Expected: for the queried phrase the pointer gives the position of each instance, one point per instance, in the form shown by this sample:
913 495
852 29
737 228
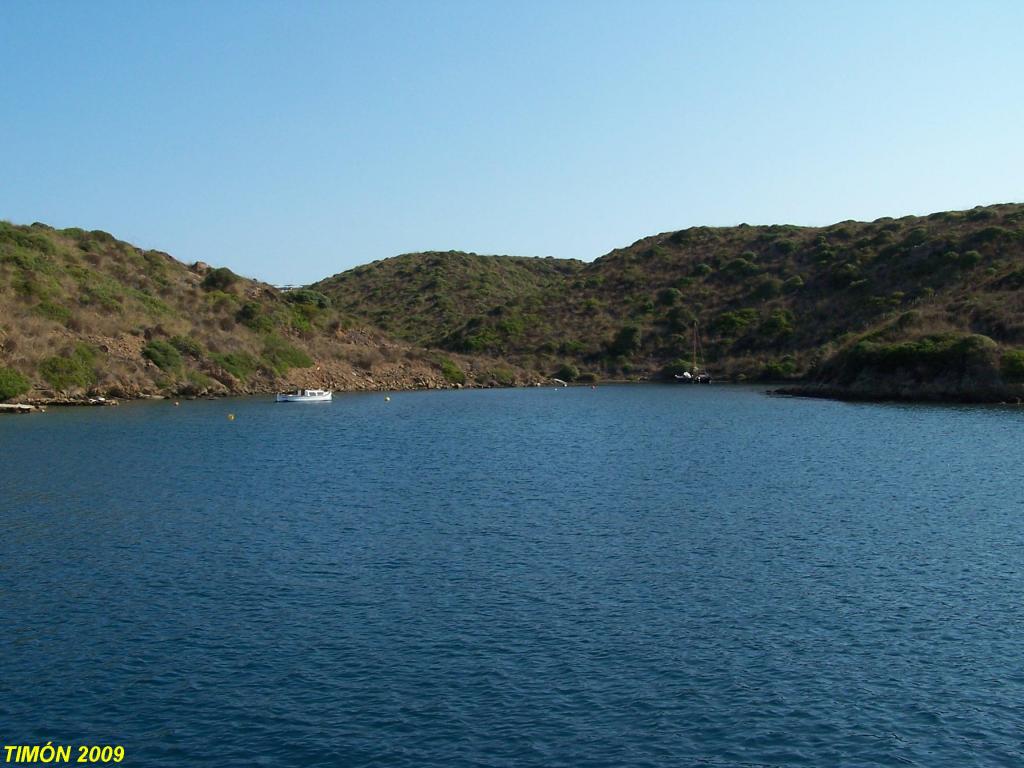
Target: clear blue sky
292 140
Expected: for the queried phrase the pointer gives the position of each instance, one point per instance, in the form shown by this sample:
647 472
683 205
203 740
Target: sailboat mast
695 368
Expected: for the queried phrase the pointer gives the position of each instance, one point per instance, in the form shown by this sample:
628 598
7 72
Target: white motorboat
305 396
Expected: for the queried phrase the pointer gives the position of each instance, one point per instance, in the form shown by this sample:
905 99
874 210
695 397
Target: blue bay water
626 576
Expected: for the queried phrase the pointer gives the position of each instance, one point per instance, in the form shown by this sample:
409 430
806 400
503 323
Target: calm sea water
627 576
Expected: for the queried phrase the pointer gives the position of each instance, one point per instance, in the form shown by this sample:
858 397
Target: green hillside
917 307
770 302
424 297
82 313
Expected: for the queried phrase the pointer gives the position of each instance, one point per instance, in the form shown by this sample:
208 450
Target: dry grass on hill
84 313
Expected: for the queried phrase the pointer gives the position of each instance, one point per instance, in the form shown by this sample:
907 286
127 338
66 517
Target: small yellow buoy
231 417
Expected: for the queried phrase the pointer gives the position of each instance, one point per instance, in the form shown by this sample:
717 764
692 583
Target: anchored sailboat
699 374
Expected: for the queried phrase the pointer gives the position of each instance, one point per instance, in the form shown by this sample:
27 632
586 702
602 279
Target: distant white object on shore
559 381
305 396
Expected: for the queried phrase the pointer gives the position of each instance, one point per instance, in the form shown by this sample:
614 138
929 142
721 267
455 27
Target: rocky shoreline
898 392
400 379
17 408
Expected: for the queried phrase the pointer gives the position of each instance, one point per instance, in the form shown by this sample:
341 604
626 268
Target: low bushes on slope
12 383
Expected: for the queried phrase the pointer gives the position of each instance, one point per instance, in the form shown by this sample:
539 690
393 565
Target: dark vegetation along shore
912 308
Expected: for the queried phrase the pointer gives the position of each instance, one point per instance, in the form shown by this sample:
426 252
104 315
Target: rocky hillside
913 307
824 305
82 313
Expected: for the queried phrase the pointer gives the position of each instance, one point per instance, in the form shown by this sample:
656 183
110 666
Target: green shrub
780 369
187 346
265 324
221 301
653 253
302 318
27 239
241 365
307 296
779 323
56 312
916 236
506 377
767 288
643 307
30 285
200 381
64 372
567 372
251 315
844 275
104 238
963 261
163 354
96 288
475 336
669 296
219 279
729 323
26 259
151 305
740 267
154 264
451 372
12 383
280 356
990 235
793 283
626 341
511 327
969 260
678 318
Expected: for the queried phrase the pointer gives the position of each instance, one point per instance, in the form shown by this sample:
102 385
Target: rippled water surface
627 576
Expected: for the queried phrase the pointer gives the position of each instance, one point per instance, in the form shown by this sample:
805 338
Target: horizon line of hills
916 307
